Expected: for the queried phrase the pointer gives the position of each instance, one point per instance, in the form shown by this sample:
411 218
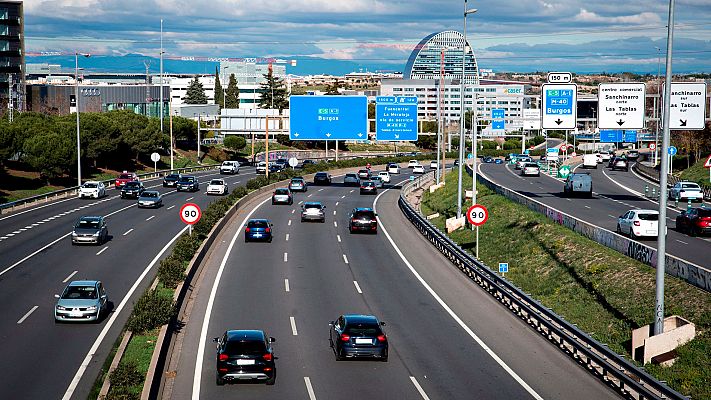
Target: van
590 161
229 167
578 183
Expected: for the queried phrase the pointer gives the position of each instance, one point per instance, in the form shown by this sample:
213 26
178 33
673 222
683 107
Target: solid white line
210 302
339 238
150 218
285 256
357 287
127 232
446 307
286 285
293 326
189 198
102 250
419 388
287 237
345 259
69 277
309 388
90 354
170 207
335 224
289 223
21 320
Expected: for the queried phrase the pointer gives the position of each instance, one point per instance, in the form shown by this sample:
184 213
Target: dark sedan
322 178
171 180
258 230
188 183
368 187
245 355
353 335
132 190
363 220
696 221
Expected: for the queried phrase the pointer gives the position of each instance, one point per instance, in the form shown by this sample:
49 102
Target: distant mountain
133 63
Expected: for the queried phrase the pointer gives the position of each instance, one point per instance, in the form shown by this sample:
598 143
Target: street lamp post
161 76
658 106
461 110
76 102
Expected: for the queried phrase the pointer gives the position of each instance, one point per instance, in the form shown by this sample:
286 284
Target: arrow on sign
397 136
328 135
620 122
558 121
360 135
296 135
683 122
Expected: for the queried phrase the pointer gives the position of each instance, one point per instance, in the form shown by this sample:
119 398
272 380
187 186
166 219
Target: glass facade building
426 59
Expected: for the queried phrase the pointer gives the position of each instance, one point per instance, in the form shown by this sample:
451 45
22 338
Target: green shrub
171 272
185 247
151 311
123 377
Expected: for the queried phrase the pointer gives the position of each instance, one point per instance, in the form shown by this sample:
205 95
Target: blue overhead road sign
629 136
610 135
396 118
328 118
497 118
560 106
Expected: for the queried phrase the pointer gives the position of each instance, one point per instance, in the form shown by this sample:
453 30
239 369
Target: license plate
257 234
245 362
363 341
74 314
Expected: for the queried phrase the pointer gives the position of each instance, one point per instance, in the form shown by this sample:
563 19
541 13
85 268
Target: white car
685 191
92 189
262 167
393 169
606 155
418 169
521 161
412 163
217 186
639 223
229 167
590 161
530 169
433 164
385 176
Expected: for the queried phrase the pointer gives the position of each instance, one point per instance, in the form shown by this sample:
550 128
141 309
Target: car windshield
132 185
363 215
227 163
172 176
376 178
80 292
258 224
91 185
350 175
281 191
150 194
88 223
312 205
251 348
704 212
297 181
689 186
321 174
217 182
125 176
648 217
187 179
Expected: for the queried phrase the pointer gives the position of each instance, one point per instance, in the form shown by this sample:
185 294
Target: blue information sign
629 136
328 118
503 268
497 118
396 118
671 150
560 108
610 135
498 113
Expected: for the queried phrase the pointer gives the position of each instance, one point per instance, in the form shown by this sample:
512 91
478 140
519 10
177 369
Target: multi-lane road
41 359
614 193
448 339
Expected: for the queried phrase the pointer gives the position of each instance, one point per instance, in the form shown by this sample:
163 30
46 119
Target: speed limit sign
190 213
652 146
477 215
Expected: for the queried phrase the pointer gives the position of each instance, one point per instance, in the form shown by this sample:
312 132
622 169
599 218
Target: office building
12 54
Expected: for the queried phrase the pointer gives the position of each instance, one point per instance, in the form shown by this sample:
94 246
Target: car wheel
246 239
693 231
270 239
632 235
272 380
219 380
273 203
339 357
618 229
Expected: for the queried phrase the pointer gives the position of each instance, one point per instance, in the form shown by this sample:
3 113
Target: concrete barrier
688 271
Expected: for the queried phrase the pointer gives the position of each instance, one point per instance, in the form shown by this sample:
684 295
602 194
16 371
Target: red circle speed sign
190 213
477 215
652 146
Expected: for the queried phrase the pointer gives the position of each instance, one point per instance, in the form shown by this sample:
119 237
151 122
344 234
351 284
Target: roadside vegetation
600 290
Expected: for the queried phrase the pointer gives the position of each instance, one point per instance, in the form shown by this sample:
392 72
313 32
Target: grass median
600 290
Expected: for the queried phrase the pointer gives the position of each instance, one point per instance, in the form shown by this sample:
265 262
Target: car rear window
251 348
351 176
125 176
312 205
689 186
257 224
321 174
91 185
80 292
132 184
364 214
367 330
216 182
704 212
173 176
187 179
281 191
531 165
648 217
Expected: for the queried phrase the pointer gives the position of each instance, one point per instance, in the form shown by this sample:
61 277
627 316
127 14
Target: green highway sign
563 171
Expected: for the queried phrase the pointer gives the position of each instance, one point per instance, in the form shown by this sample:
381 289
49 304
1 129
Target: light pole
658 106
461 110
76 102
661 234
161 76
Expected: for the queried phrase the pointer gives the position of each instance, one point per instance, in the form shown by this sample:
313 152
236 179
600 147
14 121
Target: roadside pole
198 141
266 147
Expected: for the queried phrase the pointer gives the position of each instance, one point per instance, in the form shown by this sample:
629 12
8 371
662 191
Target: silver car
90 229
378 181
313 211
81 301
150 199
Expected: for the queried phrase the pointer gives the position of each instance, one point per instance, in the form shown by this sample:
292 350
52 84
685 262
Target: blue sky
507 35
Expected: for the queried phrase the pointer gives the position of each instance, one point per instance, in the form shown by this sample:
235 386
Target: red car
695 221
124 178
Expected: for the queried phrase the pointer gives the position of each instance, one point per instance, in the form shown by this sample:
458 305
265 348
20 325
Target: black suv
322 178
245 355
363 219
355 335
132 190
171 180
189 183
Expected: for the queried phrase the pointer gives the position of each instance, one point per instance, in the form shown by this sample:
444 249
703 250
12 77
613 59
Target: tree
235 142
219 96
184 128
232 95
195 93
50 153
274 93
332 89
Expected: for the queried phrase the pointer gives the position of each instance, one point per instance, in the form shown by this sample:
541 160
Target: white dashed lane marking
286 285
339 238
102 250
287 237
345 259
170 207
335 224
69 277
293 326
150 218
24 317
127 232
355 283
286 257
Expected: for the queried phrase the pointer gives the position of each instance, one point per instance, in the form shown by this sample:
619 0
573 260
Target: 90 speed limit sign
477 215
190 213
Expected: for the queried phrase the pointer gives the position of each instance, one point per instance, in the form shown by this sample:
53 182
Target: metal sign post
477 216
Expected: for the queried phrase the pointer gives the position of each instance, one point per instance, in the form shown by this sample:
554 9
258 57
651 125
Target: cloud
636 19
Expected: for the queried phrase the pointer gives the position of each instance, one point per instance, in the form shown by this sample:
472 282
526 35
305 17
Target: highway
611 198
41 358
448 339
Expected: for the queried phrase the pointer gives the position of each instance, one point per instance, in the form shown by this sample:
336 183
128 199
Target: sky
582 36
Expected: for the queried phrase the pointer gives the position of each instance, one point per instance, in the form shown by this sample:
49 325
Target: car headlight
95 234
91 308
74 234
61 308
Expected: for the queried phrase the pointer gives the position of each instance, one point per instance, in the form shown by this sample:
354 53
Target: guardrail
653 175
596 357
46 197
